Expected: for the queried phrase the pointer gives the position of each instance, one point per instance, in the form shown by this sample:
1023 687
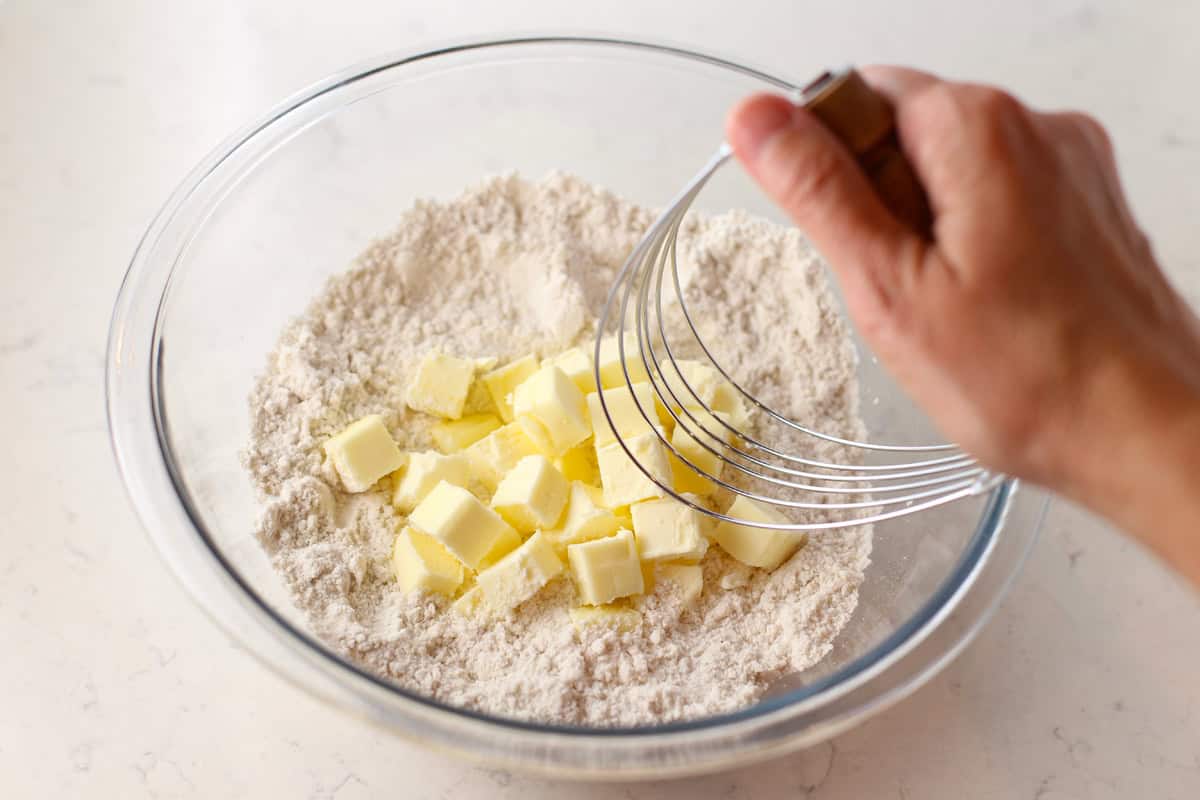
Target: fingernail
755 122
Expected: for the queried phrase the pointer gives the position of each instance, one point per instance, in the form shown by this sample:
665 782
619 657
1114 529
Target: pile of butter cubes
530 438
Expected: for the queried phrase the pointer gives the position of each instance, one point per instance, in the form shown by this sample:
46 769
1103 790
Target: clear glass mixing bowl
252 234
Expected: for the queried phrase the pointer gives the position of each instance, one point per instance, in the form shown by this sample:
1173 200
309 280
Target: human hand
1034 326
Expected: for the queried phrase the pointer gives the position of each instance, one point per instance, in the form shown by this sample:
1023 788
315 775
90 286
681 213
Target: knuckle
878 327
982 119
888 324
966 103
894 281
994 104
1091 128
936 103
1086 122
999 122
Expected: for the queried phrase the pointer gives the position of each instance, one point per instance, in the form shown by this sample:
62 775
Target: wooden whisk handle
863 120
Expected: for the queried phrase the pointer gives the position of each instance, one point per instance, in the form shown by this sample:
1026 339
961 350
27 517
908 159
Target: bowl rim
135 352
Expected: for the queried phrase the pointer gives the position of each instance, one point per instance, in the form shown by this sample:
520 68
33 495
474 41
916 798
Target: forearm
1140 467
1160 504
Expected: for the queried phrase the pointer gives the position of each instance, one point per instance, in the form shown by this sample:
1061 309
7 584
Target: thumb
815 179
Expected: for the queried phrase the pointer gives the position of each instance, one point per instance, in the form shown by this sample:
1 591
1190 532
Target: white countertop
113 684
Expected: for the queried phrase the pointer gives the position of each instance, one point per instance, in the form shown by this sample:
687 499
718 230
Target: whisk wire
864 492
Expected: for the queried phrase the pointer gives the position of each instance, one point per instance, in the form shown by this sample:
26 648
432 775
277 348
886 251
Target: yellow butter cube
425 471
621 479
479 399
441 384
465 526
611 374
579 464
701 378
519 575
452 436
757 547
616 617
667 529
576 364
605 569
507 542
728 401
498 452
363 453
624 405
688 577
531 495
595 493
686 477
626 519
709 388
502 382
585 519
470 603
552 411
647 576
422 564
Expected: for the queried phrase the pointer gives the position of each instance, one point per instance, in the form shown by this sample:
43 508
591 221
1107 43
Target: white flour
508 268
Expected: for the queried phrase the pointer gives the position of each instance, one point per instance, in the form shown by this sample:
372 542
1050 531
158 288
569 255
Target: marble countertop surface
114 684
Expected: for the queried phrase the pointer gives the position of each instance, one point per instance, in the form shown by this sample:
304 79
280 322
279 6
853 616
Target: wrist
1137 461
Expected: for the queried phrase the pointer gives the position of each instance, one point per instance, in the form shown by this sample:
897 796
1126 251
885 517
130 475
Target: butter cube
757 547
576 364
687 479
502 382
441 385
709 388
585 519
519 575
647 576
623 482
702 378
425 471
667 529
625 404
688 577
422 564
479 399
728 401
625 517
498 452
470 603
465 526
532 495
552 411
605 569
363 453
579 464
611 374
595 493
616 617
451 436
509 540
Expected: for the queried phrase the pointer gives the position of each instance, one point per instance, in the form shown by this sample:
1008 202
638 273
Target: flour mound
508 268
